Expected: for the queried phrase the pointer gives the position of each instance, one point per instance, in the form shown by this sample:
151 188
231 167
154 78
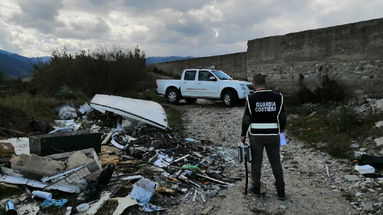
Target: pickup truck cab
204 83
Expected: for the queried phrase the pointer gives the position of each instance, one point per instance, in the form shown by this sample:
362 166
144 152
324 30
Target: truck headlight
244 87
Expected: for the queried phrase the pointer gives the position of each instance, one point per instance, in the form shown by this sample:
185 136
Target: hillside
17 66
152 60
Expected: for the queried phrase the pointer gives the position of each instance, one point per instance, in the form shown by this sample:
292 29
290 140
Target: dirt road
309 189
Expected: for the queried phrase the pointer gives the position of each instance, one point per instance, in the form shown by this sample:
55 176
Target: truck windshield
221 75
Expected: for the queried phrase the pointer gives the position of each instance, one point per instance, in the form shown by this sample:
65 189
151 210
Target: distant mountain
17 66
152 60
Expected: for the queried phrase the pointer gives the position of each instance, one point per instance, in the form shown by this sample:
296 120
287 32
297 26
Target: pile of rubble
84 167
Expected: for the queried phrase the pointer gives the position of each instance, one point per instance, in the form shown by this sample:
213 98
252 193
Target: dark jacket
264 113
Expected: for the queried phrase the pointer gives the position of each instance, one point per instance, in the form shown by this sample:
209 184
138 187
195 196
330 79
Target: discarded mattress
148 112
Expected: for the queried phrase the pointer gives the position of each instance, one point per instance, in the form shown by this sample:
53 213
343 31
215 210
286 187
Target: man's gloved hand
243 139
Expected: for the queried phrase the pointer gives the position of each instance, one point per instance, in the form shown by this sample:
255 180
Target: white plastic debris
163 160
365 169
143 190
148 112
85 109
67 112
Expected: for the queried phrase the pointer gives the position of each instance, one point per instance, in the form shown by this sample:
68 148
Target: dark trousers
272 145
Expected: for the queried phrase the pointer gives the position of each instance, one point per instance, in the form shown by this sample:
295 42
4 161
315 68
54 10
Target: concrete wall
352 54
232 64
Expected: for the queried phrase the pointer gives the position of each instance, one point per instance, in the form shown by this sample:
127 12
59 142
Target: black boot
257 191
281 195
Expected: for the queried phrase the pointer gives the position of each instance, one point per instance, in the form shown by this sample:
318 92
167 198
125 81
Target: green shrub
305 95
342 120
2 77
328 91
113 71
66 92
307 108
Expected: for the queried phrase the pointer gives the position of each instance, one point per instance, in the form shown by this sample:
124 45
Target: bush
305 95
66 92
105 71
342 120
2 77
329 91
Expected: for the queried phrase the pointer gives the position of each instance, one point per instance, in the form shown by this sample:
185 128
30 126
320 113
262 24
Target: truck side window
189 75
204 75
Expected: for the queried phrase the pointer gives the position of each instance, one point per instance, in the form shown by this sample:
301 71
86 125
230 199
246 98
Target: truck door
188 83
207 85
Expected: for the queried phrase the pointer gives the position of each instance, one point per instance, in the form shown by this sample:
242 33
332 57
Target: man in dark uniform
264 119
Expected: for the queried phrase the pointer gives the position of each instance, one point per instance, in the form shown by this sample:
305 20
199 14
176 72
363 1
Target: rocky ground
310 188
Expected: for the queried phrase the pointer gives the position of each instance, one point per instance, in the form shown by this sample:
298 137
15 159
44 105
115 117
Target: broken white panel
38 184
145 111
20 144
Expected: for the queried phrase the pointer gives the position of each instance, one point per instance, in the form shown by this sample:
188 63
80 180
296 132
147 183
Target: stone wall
352 54
232 64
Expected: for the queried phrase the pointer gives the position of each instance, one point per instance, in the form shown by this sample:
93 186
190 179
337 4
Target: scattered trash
67 112
69 211
143 190
85 109
207 210
53 202
189 140
125 145
149 208
10 208
374 161
21 145
81 208
37 184
365 169
65 126
6 152
162 160
41 194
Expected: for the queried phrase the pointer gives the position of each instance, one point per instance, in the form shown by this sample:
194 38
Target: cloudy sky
166 27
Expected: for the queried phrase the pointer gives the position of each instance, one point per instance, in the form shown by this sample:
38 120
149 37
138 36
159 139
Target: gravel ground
308 188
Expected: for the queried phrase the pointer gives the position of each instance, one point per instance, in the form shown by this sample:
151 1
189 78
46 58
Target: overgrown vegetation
323 122
105 71
333 129
328 91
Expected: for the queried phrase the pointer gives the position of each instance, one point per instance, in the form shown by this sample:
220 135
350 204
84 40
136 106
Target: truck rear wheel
190 100
173 95
230 98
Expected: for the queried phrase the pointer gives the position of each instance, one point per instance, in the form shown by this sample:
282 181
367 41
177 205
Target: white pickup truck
204 83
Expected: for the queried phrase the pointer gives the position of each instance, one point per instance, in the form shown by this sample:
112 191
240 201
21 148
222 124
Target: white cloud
171 27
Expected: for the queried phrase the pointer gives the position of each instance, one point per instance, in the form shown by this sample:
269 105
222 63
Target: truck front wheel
173 95
230 98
